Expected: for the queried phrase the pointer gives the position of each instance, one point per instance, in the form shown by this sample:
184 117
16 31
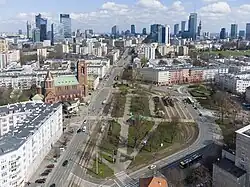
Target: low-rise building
225 173
28 132
93 82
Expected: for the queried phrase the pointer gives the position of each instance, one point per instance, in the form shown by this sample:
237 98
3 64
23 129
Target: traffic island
166 140
100 170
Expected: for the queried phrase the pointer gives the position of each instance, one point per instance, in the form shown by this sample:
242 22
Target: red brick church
66 87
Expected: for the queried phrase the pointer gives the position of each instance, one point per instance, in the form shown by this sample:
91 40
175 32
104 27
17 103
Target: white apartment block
41 53
98 66
154 75
238 69
210 73
28 132
148 50
233 83
8 57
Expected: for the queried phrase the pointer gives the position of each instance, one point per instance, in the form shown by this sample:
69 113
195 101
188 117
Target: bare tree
175 177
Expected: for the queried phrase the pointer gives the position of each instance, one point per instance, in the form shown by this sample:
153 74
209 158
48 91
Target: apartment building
210 72
28 131
97 66
3 45
235 83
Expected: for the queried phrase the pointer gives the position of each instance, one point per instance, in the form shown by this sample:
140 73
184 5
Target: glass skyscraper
41 24
132 29
176 29
192 25
223 33
183 26
234 31
65 20
248 31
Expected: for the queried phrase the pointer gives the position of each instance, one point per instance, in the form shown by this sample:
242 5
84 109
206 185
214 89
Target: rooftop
244 131
230 167
36 115
66 80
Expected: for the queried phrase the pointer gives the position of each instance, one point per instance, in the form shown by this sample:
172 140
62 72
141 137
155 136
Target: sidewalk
122 149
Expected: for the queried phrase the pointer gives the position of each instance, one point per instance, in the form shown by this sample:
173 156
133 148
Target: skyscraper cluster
193 30
40 33
235 33
160 33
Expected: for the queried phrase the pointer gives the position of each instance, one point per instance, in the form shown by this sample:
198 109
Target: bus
190 101
190 160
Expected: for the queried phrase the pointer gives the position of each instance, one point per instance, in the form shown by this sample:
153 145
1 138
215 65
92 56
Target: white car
85 121
84 129
152 166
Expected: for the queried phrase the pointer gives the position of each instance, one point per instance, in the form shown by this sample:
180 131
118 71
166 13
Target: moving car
65 163
50 166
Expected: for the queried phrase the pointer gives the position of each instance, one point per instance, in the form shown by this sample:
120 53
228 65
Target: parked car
44 174
47 170
50 166
79 130
52 185
65 163
40 180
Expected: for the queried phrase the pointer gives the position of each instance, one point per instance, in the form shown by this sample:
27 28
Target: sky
101 15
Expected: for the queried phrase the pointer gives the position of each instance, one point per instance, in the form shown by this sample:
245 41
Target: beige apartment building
3 45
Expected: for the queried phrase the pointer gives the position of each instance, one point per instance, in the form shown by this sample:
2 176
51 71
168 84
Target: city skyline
102 15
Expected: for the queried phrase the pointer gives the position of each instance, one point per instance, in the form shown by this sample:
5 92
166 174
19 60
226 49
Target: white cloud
210 1
215 10
244 9
151 4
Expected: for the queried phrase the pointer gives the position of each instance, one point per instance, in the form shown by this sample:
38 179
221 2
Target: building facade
28 132
65 20
68 87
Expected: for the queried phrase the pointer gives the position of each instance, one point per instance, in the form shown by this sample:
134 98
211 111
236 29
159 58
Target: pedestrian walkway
123 180
122 149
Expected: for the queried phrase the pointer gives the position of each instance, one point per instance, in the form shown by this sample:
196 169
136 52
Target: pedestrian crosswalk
123 180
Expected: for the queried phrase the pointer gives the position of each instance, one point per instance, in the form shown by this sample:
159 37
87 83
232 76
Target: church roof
66 80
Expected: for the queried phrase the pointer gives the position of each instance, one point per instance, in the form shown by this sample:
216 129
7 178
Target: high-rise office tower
199 30
28 30
114 30
234 31
154 30
52 34
183 26
176 29
65 20
223 34
167 35
241 34
41 24
248 31
192 25
132 29
36 35
161 34
144 31
20 31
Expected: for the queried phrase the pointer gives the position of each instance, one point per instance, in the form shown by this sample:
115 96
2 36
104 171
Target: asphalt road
60 173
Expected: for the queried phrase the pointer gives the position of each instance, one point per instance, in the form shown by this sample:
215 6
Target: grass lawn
199 91
140 106
228 132
229 53
107 157
119 101
111 139
186 134
104 171
139 132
